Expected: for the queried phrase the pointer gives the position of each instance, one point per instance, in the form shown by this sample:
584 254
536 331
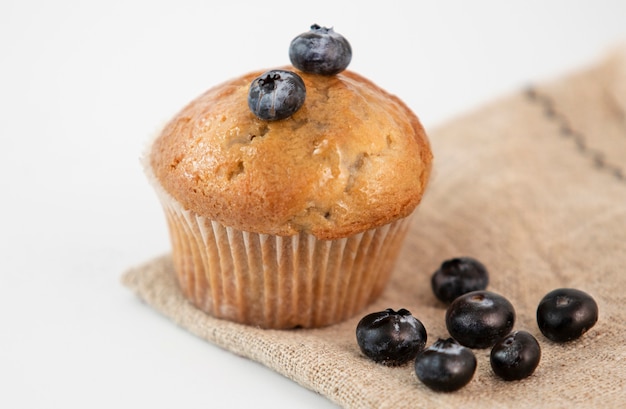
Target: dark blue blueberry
478 319
276 94
458 276
445 366
320 51
565 314
515 356
391 337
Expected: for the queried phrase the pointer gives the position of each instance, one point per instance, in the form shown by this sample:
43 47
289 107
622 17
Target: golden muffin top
352 158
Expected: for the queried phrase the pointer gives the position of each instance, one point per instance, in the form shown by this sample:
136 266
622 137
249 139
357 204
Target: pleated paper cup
279 281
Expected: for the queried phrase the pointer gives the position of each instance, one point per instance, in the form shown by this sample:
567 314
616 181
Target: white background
84 84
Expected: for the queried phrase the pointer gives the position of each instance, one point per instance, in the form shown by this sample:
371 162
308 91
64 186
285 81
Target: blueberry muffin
295 222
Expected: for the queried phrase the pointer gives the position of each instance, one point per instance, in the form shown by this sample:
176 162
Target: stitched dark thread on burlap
551 112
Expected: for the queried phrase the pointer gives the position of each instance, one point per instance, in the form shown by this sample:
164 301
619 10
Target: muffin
295 222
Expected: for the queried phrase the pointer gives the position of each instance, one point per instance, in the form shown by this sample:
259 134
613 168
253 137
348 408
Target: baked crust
352 158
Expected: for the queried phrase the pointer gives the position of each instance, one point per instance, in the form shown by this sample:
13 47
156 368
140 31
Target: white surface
82 86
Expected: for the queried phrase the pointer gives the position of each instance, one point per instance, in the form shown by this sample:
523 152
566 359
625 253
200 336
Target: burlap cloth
534 185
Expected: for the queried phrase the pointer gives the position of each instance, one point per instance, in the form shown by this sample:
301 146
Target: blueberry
320 51
389 337
565 314
445 366
515 356
276 94
458 276
478 319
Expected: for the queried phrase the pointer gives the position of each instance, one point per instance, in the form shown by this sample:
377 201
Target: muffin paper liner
279 281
